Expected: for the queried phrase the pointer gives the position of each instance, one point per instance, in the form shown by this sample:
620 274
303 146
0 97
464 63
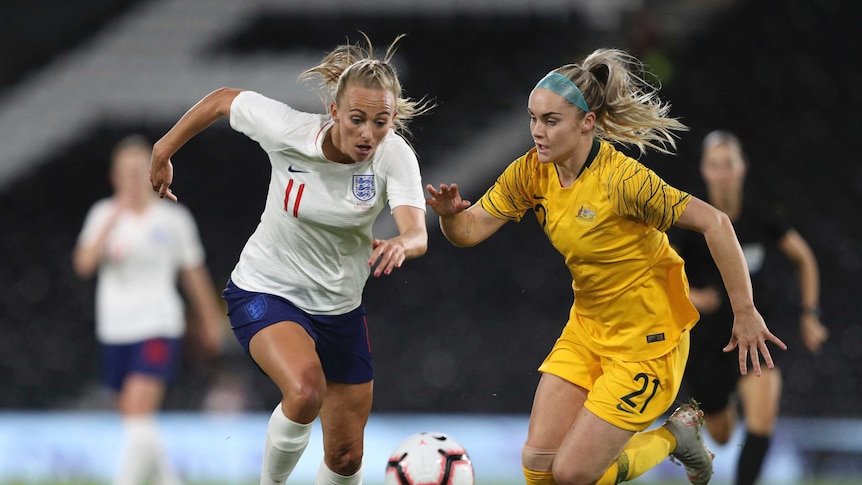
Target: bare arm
87 255
198 288
462 224
205 112
799 253
749 332
411 241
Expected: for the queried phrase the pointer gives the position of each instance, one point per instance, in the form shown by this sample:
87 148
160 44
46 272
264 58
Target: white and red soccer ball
429 459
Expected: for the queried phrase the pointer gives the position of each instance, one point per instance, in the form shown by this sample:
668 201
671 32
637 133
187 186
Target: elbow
719 222
462 244
83 271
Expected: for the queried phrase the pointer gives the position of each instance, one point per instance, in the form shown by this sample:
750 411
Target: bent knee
537 460
304 400
719 430
344 460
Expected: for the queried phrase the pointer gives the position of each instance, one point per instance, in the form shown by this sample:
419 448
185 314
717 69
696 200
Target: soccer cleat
685 425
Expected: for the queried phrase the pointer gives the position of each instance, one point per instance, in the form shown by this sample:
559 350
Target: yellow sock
539 478
643 451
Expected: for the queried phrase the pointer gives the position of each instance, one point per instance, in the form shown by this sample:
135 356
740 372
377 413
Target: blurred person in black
711 375
139 246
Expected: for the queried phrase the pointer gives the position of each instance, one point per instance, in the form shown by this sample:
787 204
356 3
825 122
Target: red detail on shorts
156 352
367 337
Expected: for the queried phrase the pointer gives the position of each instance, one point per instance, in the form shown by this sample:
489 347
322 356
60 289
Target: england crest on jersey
363 187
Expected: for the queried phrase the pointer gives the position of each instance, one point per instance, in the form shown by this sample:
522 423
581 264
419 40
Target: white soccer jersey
314 238
136 293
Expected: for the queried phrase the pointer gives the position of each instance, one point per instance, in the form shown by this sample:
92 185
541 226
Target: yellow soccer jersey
631 292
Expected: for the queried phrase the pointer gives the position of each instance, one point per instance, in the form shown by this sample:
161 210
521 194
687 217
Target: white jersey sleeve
268 122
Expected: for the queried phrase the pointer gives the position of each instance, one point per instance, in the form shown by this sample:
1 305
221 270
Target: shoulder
610 164
609 155
101 207
528 163
395 149
175 210
253 103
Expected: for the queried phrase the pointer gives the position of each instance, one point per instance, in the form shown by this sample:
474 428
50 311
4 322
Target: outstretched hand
161 176
750 335
446 201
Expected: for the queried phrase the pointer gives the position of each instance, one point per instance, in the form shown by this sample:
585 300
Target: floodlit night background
457 334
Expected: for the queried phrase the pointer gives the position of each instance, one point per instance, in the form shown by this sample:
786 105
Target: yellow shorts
629 395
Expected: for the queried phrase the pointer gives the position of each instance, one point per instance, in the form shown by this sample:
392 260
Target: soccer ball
429 459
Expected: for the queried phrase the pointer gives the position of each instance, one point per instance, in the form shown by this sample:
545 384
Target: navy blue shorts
341 341
156 357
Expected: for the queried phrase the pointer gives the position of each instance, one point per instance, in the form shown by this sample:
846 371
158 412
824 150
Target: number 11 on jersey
287 192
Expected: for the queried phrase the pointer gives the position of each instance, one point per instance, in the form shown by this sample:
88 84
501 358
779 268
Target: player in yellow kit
618 363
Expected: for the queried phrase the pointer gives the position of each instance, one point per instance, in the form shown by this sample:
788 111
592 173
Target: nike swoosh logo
621 408
538 197
293 170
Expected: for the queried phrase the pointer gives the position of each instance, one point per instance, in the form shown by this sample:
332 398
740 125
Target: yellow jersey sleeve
509 198
638 192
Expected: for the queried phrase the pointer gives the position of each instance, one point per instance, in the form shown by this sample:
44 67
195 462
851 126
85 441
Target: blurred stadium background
458 333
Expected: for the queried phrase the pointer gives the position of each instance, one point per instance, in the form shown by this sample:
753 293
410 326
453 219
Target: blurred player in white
139 245
295 296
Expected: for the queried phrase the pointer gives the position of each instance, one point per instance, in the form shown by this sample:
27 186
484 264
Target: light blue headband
564 86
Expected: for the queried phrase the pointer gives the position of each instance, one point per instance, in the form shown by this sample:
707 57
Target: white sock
285 442
325 476
144 455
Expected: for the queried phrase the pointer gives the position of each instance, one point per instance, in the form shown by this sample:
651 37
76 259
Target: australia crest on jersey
363 187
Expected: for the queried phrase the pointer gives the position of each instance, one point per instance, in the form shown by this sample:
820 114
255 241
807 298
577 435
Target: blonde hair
354 65
721 137
626 105
135 143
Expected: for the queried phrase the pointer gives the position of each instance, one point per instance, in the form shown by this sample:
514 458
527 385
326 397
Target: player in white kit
139 244
295 296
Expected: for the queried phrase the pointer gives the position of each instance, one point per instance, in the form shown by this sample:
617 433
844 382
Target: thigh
343 417
590 446
285 352
568 374
761 396
555 406
141 394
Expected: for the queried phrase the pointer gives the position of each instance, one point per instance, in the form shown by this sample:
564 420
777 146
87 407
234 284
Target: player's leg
139 398
760 398
630 396
568 373
344 347
555 406
279 338
286 353
343 418
592 452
